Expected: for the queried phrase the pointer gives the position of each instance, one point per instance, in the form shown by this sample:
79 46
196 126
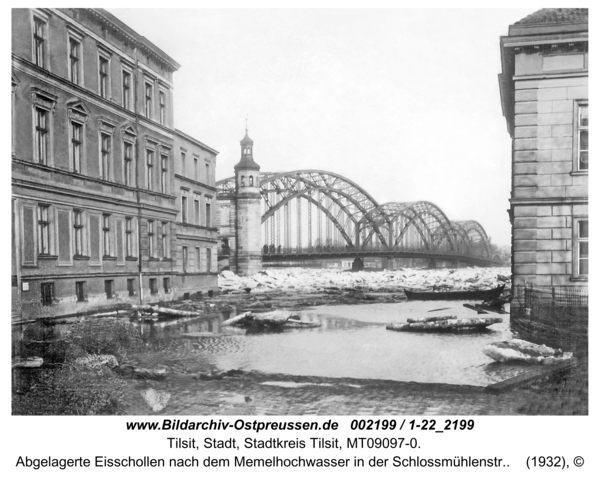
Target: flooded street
352 342
349 364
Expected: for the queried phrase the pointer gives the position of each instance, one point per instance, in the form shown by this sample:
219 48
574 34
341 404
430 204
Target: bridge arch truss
305 210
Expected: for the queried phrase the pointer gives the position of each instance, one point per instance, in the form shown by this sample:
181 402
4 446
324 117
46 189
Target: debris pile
520 350
304 280
280 319
447 323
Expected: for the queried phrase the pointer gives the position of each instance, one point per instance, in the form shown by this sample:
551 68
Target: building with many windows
111 204
544 94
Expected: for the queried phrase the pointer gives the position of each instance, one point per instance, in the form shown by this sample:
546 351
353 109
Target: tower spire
247 158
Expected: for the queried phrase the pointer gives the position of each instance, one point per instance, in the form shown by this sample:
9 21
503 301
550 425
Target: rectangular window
44 229
164 239
153 286
196 169
182 163
105 153
148 99
78 232
162 105
76 145
198 259
582 248
109 288
74 60
41 135
149 168
151 245
207 171
196 212
106 234
208 213
126 90
129 237
208 259
38 42
184 207
163 174
131 286
167 284
185 259
47 290
80 291
582 138
103 77
128 162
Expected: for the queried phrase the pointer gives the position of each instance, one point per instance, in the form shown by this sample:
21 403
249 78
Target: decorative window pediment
75 32
104 50
106 125
78 110
165 149
127 129
43 99
14 82
154 142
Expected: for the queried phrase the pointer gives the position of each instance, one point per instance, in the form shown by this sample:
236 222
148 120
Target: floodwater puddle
351 342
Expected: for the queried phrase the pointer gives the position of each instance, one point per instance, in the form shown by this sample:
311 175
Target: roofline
542 28
197 142
546 38
133 35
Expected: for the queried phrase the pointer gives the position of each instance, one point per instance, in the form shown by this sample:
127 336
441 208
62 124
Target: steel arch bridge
310 214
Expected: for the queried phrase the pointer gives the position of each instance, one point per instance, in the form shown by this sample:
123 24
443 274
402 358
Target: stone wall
549 193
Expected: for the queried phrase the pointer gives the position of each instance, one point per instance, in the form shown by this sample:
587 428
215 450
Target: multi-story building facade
544 93
544 90
96 183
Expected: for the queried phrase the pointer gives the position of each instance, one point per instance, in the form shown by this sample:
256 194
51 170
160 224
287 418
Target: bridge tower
248 202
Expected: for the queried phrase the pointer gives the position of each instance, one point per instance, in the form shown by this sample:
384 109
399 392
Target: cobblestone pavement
259 394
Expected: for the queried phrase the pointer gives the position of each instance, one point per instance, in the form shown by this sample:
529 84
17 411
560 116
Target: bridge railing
279 250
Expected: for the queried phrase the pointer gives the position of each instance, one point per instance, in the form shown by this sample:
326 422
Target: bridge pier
387 263
432 264
358 264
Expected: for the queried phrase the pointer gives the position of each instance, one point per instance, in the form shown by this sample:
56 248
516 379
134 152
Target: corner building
98 180
544 94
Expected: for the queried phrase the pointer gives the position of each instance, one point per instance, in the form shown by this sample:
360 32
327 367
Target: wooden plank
528 378
475 308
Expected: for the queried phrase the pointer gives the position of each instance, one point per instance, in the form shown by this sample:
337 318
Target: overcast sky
403 102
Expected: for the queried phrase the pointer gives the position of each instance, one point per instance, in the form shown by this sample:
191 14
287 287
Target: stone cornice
550 47
194 182
549 201
25 66
110 20
82 193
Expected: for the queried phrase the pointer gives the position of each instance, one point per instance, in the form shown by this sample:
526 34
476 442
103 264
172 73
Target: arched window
243 181
251 180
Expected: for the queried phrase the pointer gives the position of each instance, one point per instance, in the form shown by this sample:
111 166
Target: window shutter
29 236
120 245
203 259
95 253
64 237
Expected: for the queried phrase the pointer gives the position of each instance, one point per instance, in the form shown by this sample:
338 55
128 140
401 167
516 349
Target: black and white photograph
299 212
